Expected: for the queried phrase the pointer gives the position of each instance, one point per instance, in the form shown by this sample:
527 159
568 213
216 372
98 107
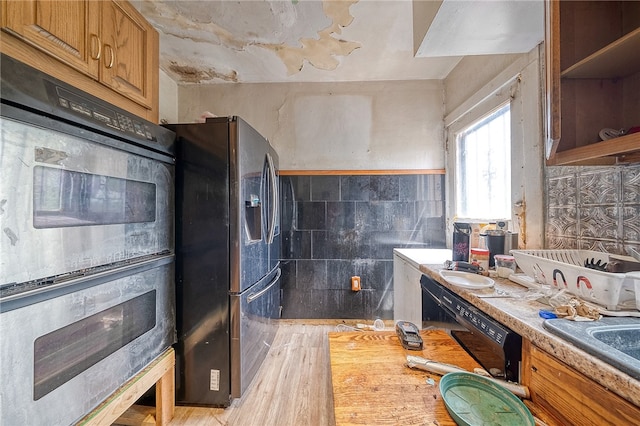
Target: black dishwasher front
495 347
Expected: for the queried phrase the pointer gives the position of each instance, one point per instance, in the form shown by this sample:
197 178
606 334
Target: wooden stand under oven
160 372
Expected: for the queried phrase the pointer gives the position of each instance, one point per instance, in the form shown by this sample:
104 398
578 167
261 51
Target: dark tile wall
593 208
335 227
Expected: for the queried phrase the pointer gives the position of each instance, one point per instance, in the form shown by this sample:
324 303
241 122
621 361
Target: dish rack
564 269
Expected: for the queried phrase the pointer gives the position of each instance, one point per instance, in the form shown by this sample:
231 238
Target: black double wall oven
87 294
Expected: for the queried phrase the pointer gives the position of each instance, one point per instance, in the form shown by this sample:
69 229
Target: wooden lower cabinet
568 396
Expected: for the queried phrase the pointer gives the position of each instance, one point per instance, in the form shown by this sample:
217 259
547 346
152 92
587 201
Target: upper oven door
71 199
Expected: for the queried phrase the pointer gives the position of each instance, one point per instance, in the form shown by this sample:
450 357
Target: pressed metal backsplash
593 208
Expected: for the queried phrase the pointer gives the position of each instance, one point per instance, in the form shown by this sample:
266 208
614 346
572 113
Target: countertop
417 257
520 313
373 386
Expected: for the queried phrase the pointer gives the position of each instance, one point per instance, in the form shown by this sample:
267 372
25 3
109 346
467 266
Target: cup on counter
505 265
480 257
494 239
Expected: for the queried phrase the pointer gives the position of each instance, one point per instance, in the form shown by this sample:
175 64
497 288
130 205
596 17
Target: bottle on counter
475 240
461 235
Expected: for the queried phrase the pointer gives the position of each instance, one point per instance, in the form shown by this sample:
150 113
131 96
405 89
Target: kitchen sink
625 339
615 340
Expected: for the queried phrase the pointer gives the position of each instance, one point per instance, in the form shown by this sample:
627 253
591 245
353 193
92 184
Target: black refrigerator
227 258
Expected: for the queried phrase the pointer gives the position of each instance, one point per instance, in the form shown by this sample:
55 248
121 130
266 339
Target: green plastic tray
473 400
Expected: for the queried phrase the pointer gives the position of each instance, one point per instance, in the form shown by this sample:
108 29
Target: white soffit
482 27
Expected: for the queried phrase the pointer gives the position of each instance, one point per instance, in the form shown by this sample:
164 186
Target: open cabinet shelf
625 149
617 60
593 81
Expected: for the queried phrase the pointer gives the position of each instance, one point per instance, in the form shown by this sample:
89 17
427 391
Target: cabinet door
65 29
130 52
569 396
407 293
552 76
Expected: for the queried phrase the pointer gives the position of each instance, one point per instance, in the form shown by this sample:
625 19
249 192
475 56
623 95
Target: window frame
520 84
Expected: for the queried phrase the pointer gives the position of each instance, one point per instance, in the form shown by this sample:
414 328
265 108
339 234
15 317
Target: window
69 198
66 352
498 128
483 163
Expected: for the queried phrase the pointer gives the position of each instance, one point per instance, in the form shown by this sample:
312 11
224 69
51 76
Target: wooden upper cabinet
592 81
108 41
67 30
130 52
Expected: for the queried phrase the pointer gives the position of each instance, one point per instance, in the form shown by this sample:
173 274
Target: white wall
334 126
471 74
386 125
168 108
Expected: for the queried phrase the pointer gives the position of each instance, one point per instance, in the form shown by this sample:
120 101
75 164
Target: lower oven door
62 356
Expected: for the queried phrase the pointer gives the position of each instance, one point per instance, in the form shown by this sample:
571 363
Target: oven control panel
28 89
102 114
480 321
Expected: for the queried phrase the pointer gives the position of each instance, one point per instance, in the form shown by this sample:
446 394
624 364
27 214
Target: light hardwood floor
292 387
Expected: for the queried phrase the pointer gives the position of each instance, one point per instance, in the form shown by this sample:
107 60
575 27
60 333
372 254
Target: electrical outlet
355 283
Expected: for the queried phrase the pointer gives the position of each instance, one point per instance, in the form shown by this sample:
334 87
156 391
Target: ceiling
248 41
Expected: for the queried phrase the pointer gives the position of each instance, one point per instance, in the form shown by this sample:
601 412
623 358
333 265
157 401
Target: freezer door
254 323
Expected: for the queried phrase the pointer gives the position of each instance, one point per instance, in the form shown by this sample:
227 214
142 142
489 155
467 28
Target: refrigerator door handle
254 296
274 196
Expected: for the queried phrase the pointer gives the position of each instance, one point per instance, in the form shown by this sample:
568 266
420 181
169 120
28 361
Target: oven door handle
254 296
81 282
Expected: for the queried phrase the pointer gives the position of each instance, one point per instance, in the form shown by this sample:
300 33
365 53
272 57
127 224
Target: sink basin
615 340
624 338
